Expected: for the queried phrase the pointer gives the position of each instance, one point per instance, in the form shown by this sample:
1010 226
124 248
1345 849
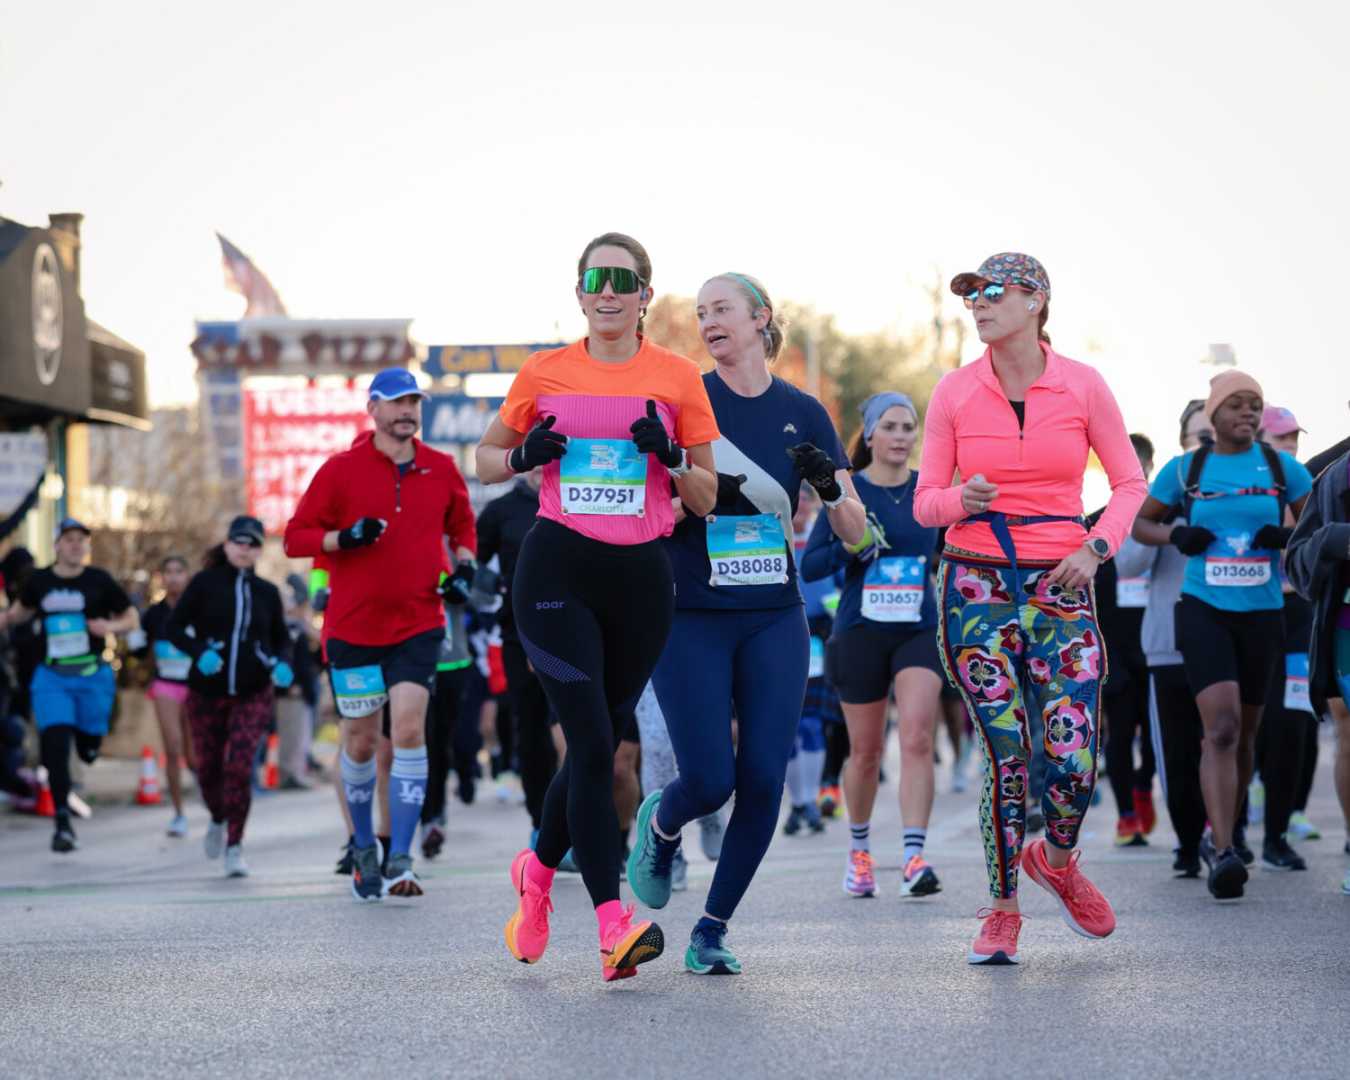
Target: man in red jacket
382 511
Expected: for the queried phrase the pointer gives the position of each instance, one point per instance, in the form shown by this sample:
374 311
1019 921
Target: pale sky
1178 167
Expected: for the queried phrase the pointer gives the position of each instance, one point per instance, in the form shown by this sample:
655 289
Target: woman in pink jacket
1017 613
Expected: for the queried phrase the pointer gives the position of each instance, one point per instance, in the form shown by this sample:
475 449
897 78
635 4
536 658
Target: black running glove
542 444
729 489
817 470
361 533
651 437
1272 537
1191 539
455 587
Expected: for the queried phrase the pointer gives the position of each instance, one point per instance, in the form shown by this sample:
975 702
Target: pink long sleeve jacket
1039 469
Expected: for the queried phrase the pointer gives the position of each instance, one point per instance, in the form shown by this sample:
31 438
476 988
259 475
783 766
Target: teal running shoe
707 955
650 861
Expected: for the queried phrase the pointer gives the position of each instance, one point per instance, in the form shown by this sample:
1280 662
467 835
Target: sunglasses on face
245 541
993 293
618 278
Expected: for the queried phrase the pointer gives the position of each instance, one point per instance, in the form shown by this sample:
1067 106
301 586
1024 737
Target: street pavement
135 957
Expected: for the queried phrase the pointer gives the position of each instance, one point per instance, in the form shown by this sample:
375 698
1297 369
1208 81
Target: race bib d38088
749 549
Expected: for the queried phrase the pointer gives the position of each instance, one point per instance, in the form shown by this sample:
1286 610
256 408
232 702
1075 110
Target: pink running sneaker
626 944
860 880
527 929
1084 908
996 942
919 879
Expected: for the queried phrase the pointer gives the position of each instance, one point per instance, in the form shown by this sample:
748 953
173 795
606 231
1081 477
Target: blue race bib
67 637
170 663
359 691
748 549
817 665
893 589
1296 692
603 476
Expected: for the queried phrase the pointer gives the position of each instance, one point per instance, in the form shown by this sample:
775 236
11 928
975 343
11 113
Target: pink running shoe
625 944
1084 908
527 929
861 879
996 942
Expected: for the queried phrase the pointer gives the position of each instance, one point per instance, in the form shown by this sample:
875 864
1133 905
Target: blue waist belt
1001 526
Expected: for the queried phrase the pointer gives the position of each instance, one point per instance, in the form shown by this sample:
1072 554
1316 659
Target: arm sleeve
1111 442
489 532
315 516
936 501
518 410
824 553
827 438
459 526
1108 437
176 629
695 424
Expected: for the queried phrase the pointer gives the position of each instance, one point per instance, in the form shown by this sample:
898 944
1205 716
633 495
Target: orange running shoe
1127 832
625 944
996 942
1083 906
527 929
1145 811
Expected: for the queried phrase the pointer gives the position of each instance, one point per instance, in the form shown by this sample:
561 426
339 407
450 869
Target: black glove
1191 539
360 533
542 444
651 437
454 588
817 470
1272 537
319 601
729 489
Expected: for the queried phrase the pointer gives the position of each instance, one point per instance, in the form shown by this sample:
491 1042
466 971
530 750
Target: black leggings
55 743
446 738
593 619
534 741
1178 734
1126 707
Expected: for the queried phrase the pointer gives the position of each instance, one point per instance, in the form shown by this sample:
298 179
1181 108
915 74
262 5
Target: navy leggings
756 660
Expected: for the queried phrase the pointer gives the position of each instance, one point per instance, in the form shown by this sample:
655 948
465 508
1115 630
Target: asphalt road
134 957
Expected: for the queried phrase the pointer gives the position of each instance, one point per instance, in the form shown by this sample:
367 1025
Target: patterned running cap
1006 268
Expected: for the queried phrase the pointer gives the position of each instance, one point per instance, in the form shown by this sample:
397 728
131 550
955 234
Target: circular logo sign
47 320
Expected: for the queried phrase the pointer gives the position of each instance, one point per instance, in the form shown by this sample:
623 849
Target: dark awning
117 392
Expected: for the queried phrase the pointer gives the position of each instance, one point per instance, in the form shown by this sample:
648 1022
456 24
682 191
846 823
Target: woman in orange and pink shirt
1017 614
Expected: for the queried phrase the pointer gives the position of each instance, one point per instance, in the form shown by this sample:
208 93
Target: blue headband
875 407
749 285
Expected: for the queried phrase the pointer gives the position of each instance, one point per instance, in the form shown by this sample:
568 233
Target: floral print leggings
1010 640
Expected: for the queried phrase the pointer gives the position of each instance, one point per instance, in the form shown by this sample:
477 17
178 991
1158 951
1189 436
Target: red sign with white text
288 434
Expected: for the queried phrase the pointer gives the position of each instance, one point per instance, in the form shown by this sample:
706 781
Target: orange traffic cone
147 790
45 805
272 767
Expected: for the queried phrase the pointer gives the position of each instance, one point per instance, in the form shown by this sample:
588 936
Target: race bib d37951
603 476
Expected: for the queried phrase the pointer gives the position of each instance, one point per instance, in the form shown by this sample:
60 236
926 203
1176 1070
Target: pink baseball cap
1276 420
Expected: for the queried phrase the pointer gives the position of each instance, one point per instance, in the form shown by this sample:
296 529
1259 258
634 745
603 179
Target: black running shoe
1227 875
1245 853
1187 863
344 863
795 819
63 840
1278 855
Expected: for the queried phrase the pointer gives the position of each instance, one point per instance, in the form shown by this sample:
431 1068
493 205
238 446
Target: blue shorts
84 702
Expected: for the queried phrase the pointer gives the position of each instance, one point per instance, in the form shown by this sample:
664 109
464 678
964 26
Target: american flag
248 281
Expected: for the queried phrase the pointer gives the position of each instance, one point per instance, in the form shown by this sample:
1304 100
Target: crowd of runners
694 606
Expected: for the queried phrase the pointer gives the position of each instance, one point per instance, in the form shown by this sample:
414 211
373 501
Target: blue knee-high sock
407 789
358 782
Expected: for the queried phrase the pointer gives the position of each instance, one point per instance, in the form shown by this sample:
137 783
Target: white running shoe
234 861
179 825
214 843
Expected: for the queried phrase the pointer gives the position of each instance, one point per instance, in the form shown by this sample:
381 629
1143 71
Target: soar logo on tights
549 605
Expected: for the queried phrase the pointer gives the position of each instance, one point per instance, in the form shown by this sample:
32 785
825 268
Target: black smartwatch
1100 548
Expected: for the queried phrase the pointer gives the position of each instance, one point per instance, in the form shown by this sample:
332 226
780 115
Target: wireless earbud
1031 307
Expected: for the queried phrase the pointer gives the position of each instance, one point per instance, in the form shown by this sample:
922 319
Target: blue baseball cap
65 525
394 382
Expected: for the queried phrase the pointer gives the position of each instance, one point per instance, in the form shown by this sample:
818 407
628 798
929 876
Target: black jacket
241 615
502 528
1316 562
